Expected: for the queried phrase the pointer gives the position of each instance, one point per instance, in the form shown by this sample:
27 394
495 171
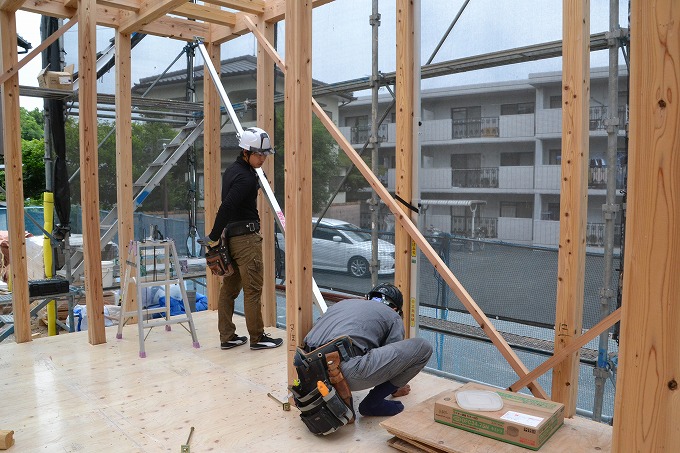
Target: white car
341 246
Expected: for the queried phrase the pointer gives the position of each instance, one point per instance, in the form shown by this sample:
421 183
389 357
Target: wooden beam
439 265
43 45
126 5
206 13
124 183
89 169
575 345
647 400
265 120
274 11
149 11
11 6
172 27
248 6
573 197
212 160
298 176
14 181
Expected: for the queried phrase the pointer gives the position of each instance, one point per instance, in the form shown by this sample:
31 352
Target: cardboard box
523 420
56 80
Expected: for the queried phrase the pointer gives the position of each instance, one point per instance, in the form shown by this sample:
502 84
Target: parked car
341 246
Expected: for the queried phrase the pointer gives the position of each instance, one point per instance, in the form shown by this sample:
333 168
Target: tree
32 155
32 124
33 159
324 162
148 140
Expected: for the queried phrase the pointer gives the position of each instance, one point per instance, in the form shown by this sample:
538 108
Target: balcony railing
485 227
475 128
360 134
486 177
598 115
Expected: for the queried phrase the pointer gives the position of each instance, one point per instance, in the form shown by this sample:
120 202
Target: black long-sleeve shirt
239 196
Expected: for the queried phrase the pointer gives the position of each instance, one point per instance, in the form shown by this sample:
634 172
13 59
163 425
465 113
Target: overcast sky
342 40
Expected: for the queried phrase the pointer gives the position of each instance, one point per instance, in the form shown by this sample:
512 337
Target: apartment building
491 155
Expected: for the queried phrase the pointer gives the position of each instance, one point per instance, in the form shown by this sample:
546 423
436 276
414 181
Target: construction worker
239 222
379 356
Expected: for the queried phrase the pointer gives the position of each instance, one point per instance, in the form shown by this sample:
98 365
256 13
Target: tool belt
243 227
321 392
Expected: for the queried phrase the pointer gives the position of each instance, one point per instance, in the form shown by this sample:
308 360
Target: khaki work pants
246 251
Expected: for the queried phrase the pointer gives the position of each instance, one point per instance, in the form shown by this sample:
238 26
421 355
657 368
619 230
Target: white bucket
107 274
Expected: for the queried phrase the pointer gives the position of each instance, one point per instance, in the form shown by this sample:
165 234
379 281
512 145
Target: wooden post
647 400
405 250
265 120
14 180
212 160
298 175
89 168
124 161
573 197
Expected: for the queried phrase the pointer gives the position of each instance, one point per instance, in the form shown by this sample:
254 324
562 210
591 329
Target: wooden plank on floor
416 426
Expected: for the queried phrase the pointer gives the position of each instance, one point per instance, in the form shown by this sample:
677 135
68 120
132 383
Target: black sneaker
266 342
234 341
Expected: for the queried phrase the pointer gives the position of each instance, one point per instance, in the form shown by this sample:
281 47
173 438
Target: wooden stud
89 169
265 120
212 161
573 197
298 175
404 145
14 180
647 400
124 181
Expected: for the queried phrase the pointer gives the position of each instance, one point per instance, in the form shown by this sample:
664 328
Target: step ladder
144 185
150 264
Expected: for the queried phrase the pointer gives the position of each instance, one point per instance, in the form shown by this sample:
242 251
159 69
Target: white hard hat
256 140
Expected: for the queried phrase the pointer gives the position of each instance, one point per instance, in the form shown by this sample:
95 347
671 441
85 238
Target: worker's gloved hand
206 241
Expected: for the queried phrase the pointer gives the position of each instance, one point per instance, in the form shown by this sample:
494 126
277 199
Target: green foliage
147 143
32 124
32 156
324 162
33 159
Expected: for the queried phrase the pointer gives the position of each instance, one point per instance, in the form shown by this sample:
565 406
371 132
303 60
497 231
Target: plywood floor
60 394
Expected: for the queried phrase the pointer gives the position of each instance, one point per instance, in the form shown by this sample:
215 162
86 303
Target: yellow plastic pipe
48 215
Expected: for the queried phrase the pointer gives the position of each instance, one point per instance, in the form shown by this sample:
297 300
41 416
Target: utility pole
375 145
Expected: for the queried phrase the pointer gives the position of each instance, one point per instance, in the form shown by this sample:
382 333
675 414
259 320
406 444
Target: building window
521 108
517 159
556 102
467 121
552 212
555 157
517 209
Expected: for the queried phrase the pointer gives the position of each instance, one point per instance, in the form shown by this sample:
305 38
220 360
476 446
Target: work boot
375 403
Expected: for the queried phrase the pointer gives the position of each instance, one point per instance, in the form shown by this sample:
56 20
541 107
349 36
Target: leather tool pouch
219 260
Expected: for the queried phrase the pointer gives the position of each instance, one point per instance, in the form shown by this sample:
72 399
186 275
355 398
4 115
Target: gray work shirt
370 323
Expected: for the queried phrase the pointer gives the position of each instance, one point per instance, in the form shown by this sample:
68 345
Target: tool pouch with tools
324 406
218 258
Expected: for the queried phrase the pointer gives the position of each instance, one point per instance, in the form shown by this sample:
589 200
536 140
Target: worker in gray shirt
381 357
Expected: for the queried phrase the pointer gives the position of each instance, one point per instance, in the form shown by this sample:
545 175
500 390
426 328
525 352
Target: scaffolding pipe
610 208
446 35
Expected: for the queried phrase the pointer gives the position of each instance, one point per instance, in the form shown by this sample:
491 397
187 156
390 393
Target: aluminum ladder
150 264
